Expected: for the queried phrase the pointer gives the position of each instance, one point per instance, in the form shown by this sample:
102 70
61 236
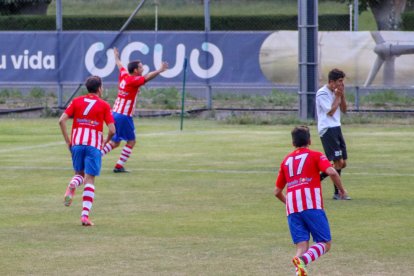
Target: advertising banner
218 58
215 58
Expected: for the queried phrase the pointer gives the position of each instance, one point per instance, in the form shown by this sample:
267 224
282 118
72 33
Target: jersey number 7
90 105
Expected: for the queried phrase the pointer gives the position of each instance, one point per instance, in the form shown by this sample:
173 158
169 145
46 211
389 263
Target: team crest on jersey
123 93
305 180
87 122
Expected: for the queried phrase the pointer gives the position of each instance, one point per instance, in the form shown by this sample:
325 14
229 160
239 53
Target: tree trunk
387 13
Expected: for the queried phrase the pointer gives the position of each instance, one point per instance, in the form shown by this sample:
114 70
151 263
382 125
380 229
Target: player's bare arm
338 88
340 92
342 104
111 133
117 60
63 128
336 179
279 195
153 74
336 103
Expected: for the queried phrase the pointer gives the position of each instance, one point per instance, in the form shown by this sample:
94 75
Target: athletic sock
107 148
76 181
314 252
322 176
125 154
88 196
336 191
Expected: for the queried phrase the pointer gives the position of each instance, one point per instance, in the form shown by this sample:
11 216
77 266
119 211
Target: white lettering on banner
36 61
179 60
90 64
136 46
3 62
214 69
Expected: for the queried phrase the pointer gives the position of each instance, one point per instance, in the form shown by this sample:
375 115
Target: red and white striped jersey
89 112
128 89
299 171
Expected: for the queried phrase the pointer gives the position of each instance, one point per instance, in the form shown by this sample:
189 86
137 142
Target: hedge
271 22
408 21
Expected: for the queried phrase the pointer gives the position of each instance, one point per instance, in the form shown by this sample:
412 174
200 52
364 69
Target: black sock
322 176
336 189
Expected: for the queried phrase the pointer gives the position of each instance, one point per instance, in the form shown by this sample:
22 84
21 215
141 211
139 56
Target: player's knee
81 173
327 246
115 144
131 143
339 164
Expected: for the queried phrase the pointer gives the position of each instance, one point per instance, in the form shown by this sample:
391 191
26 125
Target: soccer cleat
300 266
338 197
120 170
86 222
69 194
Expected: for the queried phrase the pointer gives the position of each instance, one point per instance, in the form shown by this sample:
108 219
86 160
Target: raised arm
339 101
342 105
117 60
153 74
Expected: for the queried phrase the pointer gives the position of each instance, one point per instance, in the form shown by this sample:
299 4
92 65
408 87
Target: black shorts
334 144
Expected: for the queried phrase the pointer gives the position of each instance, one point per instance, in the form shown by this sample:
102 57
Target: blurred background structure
159 17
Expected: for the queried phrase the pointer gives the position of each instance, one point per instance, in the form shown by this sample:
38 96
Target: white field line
163 133
164 170
31 147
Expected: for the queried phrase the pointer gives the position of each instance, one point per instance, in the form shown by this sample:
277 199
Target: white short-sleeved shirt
324 100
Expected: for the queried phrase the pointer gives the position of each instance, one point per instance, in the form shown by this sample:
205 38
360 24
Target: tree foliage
9 7
387 13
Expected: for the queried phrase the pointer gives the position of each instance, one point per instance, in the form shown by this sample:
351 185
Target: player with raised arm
124 107
89 113
299 171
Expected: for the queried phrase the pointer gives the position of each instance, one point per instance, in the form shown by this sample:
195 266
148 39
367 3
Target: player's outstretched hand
164 66
116 52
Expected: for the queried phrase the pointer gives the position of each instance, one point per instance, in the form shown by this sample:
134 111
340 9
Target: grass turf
198 202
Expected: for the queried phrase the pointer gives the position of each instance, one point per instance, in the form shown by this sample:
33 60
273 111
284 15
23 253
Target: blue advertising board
69 57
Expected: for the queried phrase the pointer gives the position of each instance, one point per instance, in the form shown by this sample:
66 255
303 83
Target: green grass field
199 202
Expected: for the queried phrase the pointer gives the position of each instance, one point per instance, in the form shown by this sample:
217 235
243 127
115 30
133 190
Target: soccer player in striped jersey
89 113
124 107
299 171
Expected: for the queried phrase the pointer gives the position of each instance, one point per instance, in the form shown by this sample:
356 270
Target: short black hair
300 136
93 83
335 74
133 65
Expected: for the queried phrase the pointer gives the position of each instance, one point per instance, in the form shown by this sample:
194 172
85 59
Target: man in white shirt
330 102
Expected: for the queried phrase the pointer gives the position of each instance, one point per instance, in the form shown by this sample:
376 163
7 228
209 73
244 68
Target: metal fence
166 15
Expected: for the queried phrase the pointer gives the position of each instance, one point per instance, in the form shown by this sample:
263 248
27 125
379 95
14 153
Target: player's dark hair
133 65
336 74
93 83
300 136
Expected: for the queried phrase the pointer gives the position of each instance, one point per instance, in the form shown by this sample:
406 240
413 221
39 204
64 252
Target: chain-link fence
166 15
